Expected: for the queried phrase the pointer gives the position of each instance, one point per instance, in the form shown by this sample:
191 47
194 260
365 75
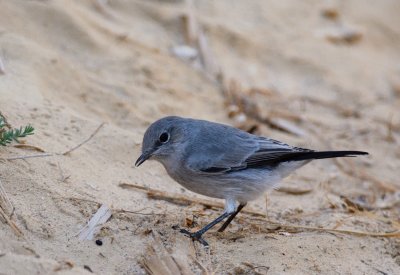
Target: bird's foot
195 236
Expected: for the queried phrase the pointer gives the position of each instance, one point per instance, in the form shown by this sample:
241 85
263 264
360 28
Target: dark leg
196 236
230 219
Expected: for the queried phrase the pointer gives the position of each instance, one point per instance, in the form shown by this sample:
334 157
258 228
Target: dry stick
86 140
181 199
11 223
286 126
29 147
173 198
138 212
114 210
58 154
360 233
293 190
32 156
7 206
102 215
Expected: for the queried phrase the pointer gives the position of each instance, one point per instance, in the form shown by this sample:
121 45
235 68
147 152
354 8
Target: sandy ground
71 65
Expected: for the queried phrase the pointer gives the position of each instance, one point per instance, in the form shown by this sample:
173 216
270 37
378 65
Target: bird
223 162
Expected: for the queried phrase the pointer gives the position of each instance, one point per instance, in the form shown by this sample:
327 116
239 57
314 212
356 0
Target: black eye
164 137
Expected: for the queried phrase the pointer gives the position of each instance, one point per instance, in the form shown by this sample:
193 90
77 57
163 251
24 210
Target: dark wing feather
260 159
267 156
237 150
218 149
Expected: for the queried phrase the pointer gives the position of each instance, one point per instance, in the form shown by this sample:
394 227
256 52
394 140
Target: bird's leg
196 236
231 217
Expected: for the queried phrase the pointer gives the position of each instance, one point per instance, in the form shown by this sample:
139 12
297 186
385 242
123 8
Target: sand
69 66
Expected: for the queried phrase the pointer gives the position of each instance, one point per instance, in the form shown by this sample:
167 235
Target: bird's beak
143 157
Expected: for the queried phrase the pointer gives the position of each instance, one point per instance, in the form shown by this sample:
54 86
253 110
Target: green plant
7 134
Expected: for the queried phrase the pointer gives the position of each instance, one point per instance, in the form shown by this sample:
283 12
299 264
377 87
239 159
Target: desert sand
317 74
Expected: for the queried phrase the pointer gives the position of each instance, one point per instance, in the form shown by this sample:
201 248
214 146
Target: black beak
142 158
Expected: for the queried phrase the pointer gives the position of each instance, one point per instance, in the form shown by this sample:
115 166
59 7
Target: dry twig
29 147
94 225
31 156
57 154
393 234
293 191
7 210
86 140
114 210
182 199
11 223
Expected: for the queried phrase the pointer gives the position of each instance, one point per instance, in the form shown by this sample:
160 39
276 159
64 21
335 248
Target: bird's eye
164 137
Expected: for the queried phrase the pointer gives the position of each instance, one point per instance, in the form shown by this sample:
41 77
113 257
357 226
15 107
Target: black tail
298 156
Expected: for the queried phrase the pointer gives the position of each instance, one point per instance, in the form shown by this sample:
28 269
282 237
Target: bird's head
161 139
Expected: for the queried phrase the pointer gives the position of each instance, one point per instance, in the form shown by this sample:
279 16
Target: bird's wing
210 152
235 150
273 152
218 149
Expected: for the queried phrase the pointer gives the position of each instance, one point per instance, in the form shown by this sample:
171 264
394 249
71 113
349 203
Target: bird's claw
195 236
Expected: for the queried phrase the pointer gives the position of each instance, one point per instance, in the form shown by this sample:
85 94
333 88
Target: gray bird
223 162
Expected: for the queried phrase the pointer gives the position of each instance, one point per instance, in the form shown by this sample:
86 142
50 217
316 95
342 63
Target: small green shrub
7 134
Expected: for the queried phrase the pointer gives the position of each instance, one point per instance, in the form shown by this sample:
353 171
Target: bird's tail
299 156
